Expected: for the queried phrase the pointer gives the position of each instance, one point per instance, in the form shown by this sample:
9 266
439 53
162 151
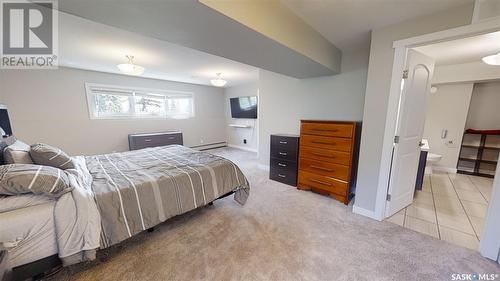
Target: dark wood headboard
4 143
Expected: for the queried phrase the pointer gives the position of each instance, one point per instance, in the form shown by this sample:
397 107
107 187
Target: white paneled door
410 126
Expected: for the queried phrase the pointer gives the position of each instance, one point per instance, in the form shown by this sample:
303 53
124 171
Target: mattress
136 190
27 228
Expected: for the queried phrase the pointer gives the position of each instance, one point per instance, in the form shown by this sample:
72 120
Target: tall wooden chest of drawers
284 158
328 157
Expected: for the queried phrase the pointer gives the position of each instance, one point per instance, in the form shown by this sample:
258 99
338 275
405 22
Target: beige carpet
280 234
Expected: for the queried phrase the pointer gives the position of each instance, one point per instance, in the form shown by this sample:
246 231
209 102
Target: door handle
324 142
321 168
322 155
326 130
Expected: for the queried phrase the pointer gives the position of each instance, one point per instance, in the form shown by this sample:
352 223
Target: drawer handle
322 155
325 130
281 164
324 142
283 142
281 176
321 182
147 140
321 168
171 138
283 153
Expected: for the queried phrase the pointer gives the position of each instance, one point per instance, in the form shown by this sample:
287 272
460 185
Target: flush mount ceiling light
218 82
130 67
492 60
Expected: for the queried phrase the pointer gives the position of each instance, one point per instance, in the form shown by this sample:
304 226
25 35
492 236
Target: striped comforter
137 190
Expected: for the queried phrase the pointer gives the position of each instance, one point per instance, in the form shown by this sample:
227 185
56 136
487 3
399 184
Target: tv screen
4 120
244 107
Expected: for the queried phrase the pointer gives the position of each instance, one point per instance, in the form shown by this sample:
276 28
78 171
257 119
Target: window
113 102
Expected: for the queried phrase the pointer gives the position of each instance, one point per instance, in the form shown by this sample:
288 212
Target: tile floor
451 207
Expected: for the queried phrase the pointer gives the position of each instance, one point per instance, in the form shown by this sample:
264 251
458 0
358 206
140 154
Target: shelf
478 160
471 146
475 174
239 126
467 159
481 147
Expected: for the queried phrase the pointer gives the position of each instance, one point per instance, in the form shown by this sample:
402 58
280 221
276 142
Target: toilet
431 160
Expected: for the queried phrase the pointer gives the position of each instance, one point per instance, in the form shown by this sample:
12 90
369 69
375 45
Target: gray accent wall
483 110
51 106
284 101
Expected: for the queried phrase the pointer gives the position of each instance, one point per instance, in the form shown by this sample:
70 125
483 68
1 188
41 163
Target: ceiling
192 24
464 50
347 23
89 45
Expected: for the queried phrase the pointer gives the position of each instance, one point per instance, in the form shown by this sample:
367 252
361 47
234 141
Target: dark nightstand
138 141
284 158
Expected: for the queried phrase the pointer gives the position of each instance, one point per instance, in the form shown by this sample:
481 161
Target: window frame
90 88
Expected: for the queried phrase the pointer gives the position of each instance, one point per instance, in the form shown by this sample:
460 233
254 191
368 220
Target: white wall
484 110
447 110
284 101
50 106
465 72
235 136
377 95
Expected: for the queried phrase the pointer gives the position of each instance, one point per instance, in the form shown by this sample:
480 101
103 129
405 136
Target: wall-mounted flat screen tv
244 107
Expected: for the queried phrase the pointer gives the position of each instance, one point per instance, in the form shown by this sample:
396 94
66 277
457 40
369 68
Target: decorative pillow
17 153
44 154
25 178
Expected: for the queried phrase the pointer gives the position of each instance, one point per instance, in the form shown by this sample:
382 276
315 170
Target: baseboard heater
209 145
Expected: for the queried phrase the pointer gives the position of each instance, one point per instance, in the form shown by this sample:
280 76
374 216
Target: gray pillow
27 178
44 154
17 153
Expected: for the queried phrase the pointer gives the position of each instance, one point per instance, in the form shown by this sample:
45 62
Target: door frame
401 49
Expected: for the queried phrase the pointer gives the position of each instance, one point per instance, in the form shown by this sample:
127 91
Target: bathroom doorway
460 142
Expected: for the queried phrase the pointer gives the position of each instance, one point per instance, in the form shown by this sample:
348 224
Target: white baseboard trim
263 167
242 148
365 212
209 146
445 169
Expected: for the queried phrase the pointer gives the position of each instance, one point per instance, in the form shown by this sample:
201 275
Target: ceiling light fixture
492 60
130 67
218 82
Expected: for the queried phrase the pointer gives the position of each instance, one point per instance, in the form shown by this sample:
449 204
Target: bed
114 197
27 223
